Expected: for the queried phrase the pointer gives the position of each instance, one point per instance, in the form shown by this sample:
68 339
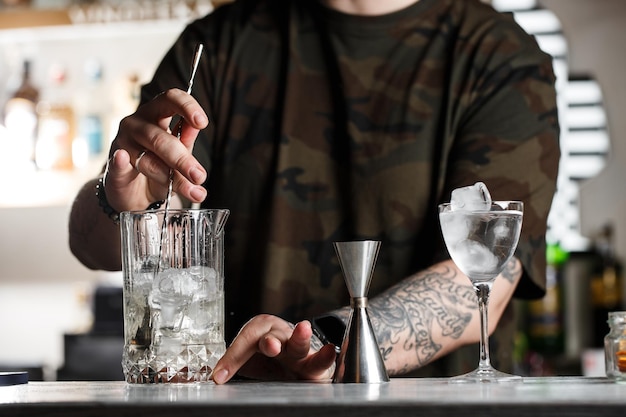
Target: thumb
119 171
124 187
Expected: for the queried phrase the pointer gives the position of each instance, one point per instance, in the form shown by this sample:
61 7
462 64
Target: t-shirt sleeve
507 136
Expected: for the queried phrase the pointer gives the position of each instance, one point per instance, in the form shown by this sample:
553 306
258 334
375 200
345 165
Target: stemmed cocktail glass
481 239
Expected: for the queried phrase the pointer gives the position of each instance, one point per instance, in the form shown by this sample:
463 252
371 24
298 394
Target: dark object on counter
34 370
97 355
108 311
13 378
92 357
329 329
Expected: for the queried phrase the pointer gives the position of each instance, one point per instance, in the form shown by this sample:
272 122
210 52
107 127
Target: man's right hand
145 150
130 185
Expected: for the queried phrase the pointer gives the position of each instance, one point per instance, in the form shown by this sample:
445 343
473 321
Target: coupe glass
481 240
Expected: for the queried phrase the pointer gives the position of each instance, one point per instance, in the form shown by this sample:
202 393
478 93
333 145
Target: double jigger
360 360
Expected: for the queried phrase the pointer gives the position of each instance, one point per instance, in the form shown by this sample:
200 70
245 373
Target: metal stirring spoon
179 130
179 126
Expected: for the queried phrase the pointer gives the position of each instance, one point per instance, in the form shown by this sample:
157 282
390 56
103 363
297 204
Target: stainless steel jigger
360 359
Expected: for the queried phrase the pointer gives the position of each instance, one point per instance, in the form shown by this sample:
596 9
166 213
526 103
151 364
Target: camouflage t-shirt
332 127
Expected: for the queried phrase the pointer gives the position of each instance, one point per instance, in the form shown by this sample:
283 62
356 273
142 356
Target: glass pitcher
173 294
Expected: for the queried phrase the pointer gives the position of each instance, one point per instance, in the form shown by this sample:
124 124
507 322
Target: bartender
318 121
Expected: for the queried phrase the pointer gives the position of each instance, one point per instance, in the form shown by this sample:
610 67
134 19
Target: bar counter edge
537 397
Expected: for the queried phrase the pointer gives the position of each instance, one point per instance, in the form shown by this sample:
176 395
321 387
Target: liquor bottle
606 285
57 126
615 346
20 119
126 92
90 107
545 315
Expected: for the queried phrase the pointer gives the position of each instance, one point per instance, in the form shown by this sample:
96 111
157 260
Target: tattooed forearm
429 304
426 315
512 270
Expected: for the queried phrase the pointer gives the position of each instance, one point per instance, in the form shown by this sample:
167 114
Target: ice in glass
173 294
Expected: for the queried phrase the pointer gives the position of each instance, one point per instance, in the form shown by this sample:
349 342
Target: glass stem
482 292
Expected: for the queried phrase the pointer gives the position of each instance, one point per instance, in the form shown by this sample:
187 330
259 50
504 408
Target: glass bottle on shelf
606 285
90 105
56 126
20 120
125 96
615 346
545 327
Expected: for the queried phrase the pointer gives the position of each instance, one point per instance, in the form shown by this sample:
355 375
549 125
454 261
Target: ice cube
205 319
456 227
178 283
501 231
474 257
170 318
472 197
167 301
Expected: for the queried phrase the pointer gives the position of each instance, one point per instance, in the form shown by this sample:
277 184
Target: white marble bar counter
558 396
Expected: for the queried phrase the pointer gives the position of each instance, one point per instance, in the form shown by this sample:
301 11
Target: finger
121 185
314 365
243 347
195 193
187 134
163 154
320 365
138 160
163 145
297 351
299 344
193 117
153 167
150 165
119 172
148 129
175 102
119 167
258 331
132 135
270 345
125 178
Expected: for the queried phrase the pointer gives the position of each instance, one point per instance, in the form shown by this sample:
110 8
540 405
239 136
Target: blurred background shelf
47 298
27 18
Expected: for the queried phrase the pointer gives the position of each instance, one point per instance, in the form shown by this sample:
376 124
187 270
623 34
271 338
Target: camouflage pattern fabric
330 127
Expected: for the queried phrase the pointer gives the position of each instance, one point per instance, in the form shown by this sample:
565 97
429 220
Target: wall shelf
27 18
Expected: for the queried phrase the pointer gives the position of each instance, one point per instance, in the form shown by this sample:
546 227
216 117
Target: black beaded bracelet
113 214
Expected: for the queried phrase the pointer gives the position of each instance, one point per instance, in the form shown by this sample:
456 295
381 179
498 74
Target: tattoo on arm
512 270
405 316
